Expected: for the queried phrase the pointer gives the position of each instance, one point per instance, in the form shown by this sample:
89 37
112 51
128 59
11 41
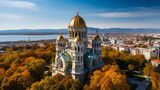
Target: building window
81 58
78 58
61 64
78 49
93 63
75 48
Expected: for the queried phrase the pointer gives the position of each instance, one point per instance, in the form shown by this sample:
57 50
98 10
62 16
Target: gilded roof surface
60 38
97 38
77 21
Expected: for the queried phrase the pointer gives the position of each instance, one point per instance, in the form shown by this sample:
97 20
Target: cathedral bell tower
96 46
78 62
60 44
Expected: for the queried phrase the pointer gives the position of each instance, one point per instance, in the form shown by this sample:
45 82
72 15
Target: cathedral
73 56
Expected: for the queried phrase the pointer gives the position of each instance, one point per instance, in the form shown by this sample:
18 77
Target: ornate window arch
93 63
75 48
60 64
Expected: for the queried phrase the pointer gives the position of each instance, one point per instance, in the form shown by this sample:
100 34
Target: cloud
131 12
18 4
10 16
126 14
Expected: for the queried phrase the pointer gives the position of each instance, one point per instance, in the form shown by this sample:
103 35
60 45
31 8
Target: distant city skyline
56 14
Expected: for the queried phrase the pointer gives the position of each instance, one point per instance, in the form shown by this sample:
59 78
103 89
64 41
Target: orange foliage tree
109 77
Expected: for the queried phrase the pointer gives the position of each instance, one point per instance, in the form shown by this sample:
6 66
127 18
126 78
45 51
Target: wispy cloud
10 16
18 4
138 12
126 14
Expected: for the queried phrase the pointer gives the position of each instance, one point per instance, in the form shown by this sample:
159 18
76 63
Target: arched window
75 48
78 49
76 34
80 33
61 64
97 44
69 33
81 49
81 58
78 58
93 63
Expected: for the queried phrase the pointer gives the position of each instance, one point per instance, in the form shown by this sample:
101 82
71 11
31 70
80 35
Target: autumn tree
153 57
131 67
143 46
9 50
4 65
36 68
155 78
18 81
148 69
110 77
57 82
2 75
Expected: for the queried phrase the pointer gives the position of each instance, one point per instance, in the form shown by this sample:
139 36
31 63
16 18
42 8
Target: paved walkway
142 85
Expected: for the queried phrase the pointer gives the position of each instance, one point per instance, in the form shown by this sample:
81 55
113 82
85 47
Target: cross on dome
77 11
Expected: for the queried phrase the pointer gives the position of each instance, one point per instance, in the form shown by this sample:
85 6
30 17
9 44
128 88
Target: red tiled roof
123 47
157 61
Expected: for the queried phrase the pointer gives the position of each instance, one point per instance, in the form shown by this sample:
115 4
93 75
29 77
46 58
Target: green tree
36 68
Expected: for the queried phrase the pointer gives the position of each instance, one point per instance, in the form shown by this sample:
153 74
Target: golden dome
78 39
97 38
77 21
60 38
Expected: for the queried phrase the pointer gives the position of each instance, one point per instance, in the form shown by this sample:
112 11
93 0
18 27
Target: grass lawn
133 86
135 76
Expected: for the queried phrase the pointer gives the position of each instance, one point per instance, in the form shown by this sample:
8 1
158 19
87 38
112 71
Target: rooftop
156 61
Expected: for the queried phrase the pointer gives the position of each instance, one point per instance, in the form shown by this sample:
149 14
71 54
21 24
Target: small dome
60 38
97 38
77 21
78 40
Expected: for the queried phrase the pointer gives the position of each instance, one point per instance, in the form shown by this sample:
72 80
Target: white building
113 41
148 53
127 49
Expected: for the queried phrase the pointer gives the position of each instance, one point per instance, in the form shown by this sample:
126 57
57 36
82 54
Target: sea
6 38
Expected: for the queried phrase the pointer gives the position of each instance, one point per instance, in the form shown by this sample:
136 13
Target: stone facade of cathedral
73 56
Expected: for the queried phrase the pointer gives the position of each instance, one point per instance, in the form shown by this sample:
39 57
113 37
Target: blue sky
53 14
